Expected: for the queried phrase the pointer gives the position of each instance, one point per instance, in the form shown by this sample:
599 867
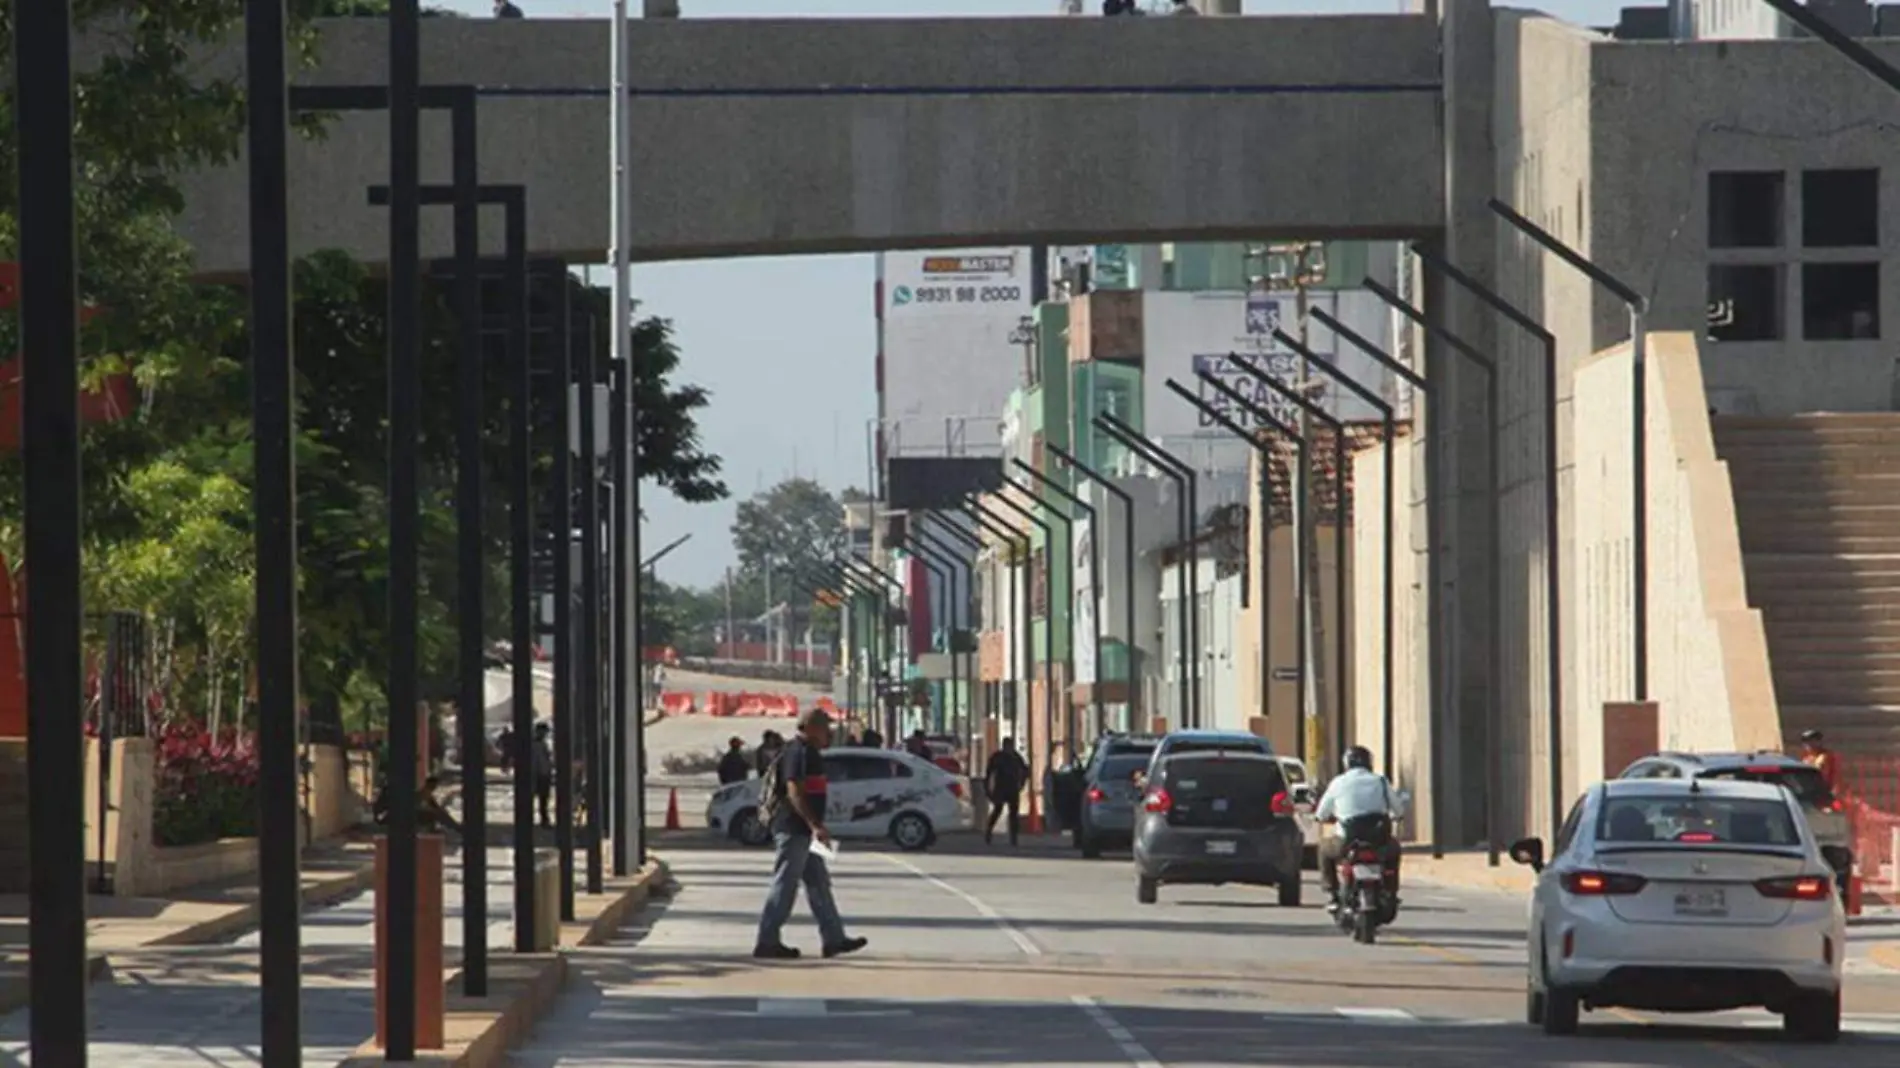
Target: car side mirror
1529 852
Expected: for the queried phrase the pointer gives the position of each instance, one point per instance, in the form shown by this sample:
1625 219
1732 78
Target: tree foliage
790 527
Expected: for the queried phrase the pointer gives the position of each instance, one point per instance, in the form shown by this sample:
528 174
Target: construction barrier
1870 793
754 705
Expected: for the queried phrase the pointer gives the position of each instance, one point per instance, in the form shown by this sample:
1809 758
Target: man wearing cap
1822 759
798 820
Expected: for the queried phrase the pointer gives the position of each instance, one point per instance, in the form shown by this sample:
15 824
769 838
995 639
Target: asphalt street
990 956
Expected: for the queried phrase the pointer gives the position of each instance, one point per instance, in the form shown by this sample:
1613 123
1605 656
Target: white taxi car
1684 896
874 793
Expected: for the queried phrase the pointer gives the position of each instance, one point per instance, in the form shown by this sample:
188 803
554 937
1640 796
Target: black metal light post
587 382
49 348
884 583
837 573
1048 584
921 542
1313 361
274 507
1341 646
975 545
1020 605
1494 775
1264 450
1435 638
1095 581
1128 568
1553 572
1303 592
1187 523
405 431
1638 308
625 655
941 571
566 723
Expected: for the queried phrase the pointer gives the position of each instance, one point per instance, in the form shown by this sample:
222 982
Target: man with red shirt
1822 759
798 790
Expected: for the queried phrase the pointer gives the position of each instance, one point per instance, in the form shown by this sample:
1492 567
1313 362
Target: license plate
1220 804
1701 902
1221 848
1367 873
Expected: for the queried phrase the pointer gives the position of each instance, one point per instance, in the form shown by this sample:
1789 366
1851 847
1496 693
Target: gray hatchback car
1210 818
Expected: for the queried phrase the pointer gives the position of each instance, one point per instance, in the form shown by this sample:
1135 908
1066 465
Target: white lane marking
1136 1052
1029 948
791 1006
1377 1015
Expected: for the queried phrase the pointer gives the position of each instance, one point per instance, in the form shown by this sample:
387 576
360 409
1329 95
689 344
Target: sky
791 375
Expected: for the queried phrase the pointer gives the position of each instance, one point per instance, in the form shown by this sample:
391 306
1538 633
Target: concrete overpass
818 135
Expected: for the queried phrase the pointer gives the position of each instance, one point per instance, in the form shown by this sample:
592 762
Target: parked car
1824 811
1109 798
945 752
1210 817
1684 895
874 793
1208 741
1305 801
1070 782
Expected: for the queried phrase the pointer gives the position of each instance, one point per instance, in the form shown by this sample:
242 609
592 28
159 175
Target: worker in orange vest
1822 759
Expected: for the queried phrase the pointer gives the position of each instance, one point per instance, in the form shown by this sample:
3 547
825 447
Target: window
1696 820
1745 302
1840 209
1807 784
1745 209
857 768
1840 301
1568 832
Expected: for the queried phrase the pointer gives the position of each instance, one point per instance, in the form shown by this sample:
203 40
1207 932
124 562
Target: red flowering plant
206 785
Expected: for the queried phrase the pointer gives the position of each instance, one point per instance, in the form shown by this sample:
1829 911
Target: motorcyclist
1362 804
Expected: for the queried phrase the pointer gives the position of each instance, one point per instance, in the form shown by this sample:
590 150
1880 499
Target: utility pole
732 639
1296 267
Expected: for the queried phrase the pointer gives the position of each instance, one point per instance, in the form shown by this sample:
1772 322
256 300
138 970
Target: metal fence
1870 792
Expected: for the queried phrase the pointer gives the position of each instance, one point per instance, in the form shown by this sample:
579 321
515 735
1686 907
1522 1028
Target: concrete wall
1707 654
1410 759
809 135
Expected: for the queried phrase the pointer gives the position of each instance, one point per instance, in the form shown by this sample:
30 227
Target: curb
480 1032
241 918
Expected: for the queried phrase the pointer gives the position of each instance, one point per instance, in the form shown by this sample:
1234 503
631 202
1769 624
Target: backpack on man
772 789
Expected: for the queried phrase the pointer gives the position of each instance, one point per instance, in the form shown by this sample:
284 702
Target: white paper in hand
827 850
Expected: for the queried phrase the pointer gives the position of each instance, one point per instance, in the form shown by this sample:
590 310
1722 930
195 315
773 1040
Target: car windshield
1804 782
1120 767
1696 820
1295 775
1235 780
1216 745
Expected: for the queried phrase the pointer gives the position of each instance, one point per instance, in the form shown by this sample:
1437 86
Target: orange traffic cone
673 809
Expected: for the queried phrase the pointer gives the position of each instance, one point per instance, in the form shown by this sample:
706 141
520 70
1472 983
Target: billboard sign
946 321
968 282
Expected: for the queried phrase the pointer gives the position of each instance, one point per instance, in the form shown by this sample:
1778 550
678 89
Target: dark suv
1210 818
1805 782
1073 782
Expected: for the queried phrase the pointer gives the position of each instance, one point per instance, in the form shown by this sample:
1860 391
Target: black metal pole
1553 570
274 504
521 553
975 545
1095 581
1048 610
1316 362
1020 607
920 544
1049 607
1188 566
405 403
634 580
597 818
938 570
620 521
1133 681
1265 451
1494 777
567 724
1184 522
470 570
49 344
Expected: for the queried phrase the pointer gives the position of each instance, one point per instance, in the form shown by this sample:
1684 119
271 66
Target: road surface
991 957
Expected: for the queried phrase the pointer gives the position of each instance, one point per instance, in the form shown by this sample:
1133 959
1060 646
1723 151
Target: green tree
791 526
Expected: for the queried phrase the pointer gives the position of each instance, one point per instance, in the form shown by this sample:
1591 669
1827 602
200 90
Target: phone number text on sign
1283 367
968 294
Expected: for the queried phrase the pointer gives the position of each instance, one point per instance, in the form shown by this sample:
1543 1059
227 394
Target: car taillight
1158 800
956 789
1282 805
1096 796
1796 888
1836 806
1603 883
1695 836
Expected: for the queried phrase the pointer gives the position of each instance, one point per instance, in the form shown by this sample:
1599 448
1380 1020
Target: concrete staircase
1817 498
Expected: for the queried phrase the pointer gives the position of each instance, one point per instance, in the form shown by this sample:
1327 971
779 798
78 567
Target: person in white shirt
1358 802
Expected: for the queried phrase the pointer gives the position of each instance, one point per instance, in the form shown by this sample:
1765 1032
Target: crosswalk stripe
1381 1015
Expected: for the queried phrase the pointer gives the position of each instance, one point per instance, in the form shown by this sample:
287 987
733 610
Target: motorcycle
1368 886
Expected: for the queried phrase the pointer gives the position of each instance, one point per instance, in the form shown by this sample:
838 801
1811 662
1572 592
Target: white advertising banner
1188 334
1083 633
950 363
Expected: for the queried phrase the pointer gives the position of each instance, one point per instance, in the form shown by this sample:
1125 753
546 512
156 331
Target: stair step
1821 526
1828 611
1792 540
1873 592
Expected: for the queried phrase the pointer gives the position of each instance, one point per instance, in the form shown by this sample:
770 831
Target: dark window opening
1744 302
1745 209
1840 301
1840 209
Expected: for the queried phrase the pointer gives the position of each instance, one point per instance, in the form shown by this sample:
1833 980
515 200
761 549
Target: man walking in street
795 790
543 753
1003 785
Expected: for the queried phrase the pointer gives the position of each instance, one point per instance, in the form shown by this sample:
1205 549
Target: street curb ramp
480 1032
